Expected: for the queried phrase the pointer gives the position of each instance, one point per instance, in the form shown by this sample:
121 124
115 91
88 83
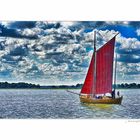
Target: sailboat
99 77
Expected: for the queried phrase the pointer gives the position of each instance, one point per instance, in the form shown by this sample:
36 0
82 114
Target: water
60 104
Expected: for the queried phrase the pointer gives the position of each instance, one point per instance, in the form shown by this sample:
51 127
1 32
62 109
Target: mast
115 73
94 67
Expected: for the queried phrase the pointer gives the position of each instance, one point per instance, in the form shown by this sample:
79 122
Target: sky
56 53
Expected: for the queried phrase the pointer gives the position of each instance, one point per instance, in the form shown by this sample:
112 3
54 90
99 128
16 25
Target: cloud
129 58
117 22
86 25
128 50
48 25
6 32
21 24
135 24
138 32
128 72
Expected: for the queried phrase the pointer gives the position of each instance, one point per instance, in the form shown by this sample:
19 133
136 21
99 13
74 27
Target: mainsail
102 66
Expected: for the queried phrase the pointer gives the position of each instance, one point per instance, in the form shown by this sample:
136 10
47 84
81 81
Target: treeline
62 87
126 85
18 85
78 86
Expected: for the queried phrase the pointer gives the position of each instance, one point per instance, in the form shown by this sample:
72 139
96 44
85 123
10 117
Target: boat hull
85 99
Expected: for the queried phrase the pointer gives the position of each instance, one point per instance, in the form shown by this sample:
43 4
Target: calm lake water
59 104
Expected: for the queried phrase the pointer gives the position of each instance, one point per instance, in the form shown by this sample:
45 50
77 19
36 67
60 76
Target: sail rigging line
73 92
115 72
107 42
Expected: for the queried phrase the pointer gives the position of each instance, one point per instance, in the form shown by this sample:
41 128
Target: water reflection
98 106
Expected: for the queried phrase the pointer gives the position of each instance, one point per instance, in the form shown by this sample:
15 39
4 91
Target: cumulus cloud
138 32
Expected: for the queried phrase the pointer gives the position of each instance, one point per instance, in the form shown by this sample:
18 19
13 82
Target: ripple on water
60 104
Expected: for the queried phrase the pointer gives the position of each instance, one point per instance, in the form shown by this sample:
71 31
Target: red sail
104 71
104 68
88 84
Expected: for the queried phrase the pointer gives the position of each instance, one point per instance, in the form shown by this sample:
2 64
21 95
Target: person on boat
118 93
113 94
96 97
100 97
104 96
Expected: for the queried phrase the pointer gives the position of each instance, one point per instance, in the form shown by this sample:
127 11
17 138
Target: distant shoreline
57 88
22 85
